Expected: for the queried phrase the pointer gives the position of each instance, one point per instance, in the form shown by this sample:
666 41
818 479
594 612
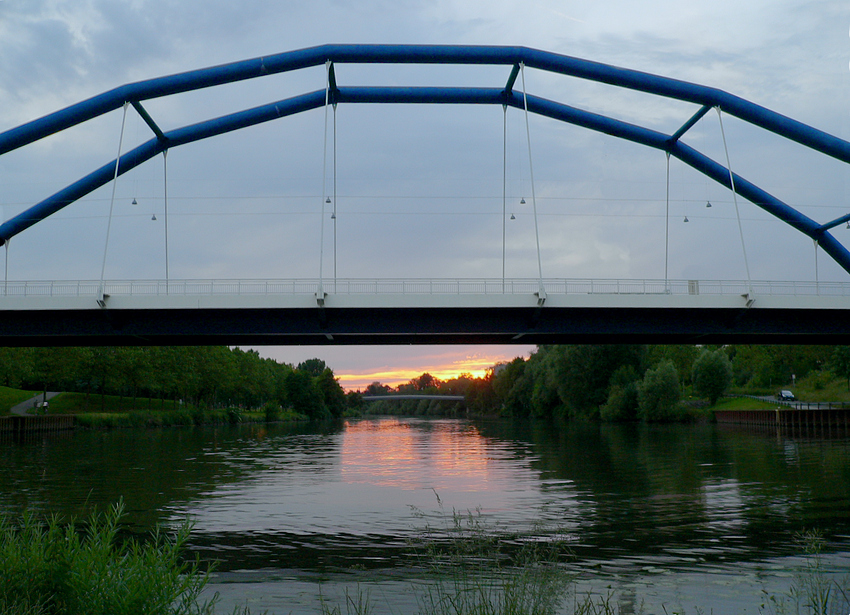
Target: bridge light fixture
513 217
686 219
153 217
522 201
708 203
328 200
135 202
333 216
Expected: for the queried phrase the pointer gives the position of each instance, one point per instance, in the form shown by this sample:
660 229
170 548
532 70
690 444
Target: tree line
578 382
203 376
625 382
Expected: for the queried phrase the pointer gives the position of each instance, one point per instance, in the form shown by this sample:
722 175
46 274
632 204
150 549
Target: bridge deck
422 312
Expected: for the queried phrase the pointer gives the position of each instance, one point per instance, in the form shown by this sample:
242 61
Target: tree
304 396
424 381
376 388
543 373
512 389
585 375
354 400
480 397
712 374
840 363
15 365
54 368
659 393
623 401
314 367
682 356
332 393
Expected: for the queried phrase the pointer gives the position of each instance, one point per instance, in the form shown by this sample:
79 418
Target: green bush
53 568
816 381
623 400
622 404
198 417
272 411
104 420
659 394
712 374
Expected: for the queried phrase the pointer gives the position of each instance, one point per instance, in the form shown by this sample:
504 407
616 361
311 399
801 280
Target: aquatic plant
814 590
478 570
359 603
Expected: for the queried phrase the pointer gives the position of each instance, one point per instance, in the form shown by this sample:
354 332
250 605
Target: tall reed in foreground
52 568
813 590
476 571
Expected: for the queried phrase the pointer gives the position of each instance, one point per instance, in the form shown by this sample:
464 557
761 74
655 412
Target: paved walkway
24 407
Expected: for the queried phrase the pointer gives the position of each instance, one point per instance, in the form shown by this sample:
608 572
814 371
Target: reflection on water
693 514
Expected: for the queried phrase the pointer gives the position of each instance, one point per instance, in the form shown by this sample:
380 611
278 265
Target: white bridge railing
92 288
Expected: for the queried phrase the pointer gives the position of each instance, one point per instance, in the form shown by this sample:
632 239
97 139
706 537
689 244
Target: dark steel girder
364 326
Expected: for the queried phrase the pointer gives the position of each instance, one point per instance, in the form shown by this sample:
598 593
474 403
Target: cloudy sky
419 187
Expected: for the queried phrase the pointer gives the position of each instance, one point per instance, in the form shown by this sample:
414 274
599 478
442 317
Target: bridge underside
495 325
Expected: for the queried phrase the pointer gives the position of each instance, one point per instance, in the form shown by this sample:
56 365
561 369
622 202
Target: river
675 518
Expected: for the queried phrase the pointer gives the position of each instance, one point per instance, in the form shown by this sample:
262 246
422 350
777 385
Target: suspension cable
321 292
735 199
504 187
817 277
334 189
101 295
165 196
667 226
542 291
6 282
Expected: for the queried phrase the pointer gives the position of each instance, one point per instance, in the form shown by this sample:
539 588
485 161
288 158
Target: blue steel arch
515 57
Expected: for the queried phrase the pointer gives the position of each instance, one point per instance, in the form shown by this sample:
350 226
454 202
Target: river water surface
663 518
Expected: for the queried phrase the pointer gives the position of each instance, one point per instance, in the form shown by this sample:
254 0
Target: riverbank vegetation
611 383
169 381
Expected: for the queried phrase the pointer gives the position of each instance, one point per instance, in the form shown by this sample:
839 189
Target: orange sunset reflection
408 453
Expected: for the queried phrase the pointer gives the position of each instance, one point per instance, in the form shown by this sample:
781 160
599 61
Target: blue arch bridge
433 311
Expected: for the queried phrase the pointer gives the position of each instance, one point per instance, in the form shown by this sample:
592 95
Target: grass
181 417
743 403
76 403
13 397
835 390
113 412
819 386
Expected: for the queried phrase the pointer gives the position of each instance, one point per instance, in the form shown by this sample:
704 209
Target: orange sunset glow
443 368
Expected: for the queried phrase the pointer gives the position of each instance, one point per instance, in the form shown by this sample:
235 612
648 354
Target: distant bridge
294 312
393 397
